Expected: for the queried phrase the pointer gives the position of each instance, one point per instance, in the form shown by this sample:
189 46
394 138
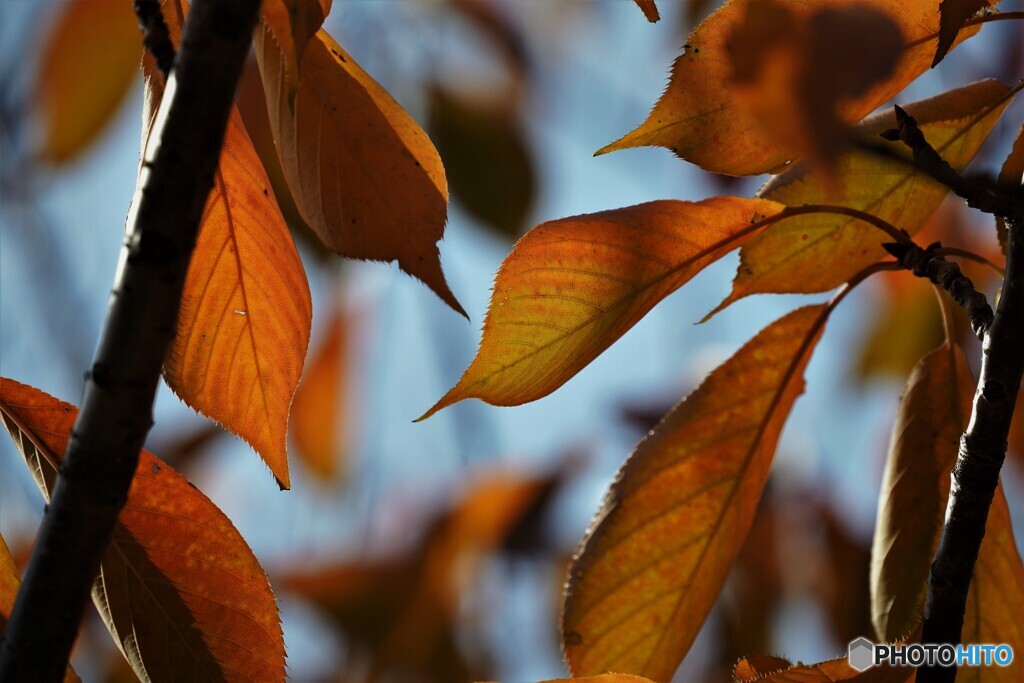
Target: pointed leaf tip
376 188
572 287
681 507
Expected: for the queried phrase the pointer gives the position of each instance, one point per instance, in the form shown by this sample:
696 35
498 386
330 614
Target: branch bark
116 411
982 450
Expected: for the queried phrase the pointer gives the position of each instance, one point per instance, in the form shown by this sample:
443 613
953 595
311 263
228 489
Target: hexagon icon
860 654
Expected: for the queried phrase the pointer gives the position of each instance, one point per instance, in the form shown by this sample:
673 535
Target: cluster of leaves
179 589
657 555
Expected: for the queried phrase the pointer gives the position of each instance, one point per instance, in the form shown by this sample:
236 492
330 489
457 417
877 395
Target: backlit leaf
649 9
933 414
835 670
88 63
572 287
292 23
702 119
245 315
793 71
9 584
753 667
603 678
905 325
179 589
364 175
320 414
952 15
817 252
679 510
996 598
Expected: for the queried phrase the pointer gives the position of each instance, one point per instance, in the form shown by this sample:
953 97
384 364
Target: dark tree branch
927 263
984 196
116 411
983 446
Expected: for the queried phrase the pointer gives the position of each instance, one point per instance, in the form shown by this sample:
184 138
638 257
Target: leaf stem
888 228
116 413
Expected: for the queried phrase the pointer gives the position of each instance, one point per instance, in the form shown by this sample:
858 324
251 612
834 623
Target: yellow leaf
245 315
179 589
815 253
364 175
933 414
702 119
88 64
649 9
573 286
320 413
679 511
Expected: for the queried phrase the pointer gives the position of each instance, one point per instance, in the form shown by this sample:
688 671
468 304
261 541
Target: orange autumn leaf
292 23
9 584
363 173
933 413
833 671
649 9
753 667
793 71
679 511
246 313
88 64
815 253
603 678
320 412
705 122
572 287
179 589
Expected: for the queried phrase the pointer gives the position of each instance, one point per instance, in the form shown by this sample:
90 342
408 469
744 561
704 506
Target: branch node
927 263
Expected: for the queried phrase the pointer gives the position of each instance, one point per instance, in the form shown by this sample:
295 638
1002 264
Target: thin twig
980 195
